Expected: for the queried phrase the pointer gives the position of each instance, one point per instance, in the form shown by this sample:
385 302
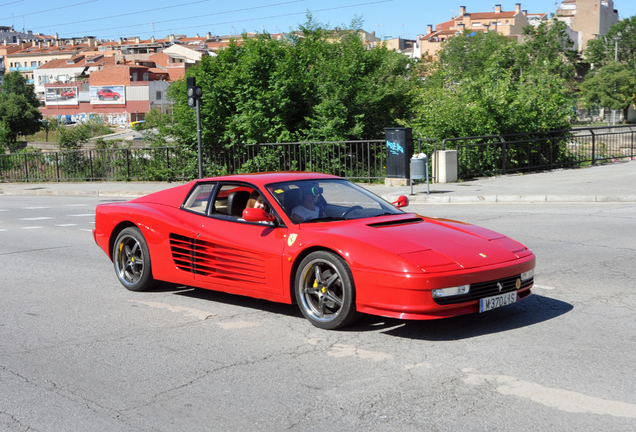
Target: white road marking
88 230
31 227
83 215
66 225
543 287
3 210
75 205
35 208
3 230
563 400
36 218
198 313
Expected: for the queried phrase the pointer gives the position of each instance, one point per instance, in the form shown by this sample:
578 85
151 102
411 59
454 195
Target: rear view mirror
402 201
257 215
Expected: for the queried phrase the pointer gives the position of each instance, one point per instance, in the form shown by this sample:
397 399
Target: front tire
325 291
131 259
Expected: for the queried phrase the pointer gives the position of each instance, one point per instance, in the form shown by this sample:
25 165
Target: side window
199 198
232 200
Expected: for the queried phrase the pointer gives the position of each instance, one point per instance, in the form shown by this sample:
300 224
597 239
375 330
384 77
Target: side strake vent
216 261
397 222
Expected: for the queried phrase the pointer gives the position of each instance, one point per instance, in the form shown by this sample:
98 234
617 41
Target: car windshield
328 200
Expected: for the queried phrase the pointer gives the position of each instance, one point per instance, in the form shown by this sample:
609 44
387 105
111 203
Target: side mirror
257 215
402 201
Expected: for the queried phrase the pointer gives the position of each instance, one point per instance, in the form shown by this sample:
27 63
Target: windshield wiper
385 214
326 219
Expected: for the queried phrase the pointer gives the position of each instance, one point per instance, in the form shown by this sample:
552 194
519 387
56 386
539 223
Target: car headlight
527 275
451 291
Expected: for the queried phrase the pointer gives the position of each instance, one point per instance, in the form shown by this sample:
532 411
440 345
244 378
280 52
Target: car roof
264 178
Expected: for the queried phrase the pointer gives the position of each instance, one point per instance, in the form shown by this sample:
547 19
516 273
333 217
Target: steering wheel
349 210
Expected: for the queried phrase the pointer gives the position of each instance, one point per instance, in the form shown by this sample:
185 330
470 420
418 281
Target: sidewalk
604 183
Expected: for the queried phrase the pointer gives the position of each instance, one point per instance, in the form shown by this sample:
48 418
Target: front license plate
494 302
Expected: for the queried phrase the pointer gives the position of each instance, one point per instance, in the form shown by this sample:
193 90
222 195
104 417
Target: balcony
23 69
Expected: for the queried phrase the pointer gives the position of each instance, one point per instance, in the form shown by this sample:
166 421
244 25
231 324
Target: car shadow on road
533 310
235 300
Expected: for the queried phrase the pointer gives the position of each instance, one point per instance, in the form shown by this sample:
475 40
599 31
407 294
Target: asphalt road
79 352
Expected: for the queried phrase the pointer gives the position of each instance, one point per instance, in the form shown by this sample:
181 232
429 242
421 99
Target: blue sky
112 19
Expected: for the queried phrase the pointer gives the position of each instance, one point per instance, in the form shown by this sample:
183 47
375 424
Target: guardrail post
57 165
127 164
90 163
369 160
593 147
503 154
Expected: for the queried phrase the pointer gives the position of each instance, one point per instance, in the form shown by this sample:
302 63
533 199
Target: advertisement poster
61 96
108 95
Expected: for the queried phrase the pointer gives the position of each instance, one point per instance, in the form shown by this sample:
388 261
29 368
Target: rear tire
131 259
325 291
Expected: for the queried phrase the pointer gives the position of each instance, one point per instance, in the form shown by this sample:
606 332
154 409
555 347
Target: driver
308 209
257 201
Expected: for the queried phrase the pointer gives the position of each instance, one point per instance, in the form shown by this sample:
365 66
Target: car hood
437 244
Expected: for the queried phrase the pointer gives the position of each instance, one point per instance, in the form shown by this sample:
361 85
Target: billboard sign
112 95
61 96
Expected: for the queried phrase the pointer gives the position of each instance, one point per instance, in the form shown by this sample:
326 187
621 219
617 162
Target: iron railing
363 160
501 154
356 160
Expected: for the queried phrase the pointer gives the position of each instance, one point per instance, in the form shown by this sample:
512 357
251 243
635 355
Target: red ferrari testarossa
318 240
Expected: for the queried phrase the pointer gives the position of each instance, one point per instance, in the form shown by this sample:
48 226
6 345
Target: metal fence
356 160
502 154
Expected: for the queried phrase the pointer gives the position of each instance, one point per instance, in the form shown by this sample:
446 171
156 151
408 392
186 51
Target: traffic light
194 92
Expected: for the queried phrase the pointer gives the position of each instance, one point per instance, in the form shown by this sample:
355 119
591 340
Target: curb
509 199
105 193
414 199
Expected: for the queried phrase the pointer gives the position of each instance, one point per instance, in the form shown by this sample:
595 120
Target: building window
159 96
477 24
39 63
33 64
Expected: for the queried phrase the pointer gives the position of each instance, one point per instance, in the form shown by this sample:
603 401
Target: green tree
478 87
19 112
315 84
73 138
612 86
549 48
15 83
157 126
619 42
18 116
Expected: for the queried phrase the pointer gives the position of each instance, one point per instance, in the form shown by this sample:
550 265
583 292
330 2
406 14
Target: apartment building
120 80
507 23
587 18
35 54
8 35
6 49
